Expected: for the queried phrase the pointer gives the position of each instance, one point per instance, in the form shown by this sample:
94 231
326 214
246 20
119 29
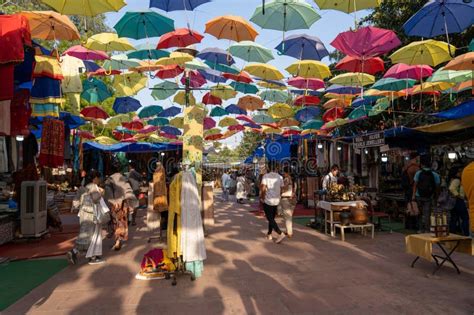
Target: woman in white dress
241 192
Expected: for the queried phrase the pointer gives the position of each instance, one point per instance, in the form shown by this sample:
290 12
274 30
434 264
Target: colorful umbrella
175 58
264 71
120 62
263 119
163 90
288 122
173 5
336 103
210 123
196 64
302 83
147 52
218 112
181 99
213 76
91 66
234 109
313 124
224 92
95 91
222 67
158 122
108 42
171 130
271 130
404 71
85 7
149 111
124 105
245 118
450 76
272 84
291 132
347 6
209 99
50 25
195 79
236 128
181 37
382 105
307 113
143 24
391 84
354 64
333 114
145 66
303 47
309 69
134 125
228 121
360 112
214 137
177 122
280 111
432 87
169 72
94 112
83 53
129 84
231 27
105 140
216 55
336 123
307 100
274 96
353 79
244 88
170 112
428 52
461 62
340 89
147 129
250 103
251 51
241 77
103 72
366 42
117 120
363 101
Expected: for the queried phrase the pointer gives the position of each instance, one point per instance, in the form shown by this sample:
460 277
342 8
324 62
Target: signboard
370 140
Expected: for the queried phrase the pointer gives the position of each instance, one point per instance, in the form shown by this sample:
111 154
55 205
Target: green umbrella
143 24
95 91
263 119
222 67
148 52
196 64
251 51
158 122
450 76
117 120
391 84
218 111
471 45
120 62
274 96
163 90
360 112
244 87
149 111
382 105
313 124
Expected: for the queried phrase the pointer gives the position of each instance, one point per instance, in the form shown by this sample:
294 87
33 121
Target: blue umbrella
90 66
440 17
306 92
244 87
170 112
176 5
149 111
147 52
255 126
307 113
303 47
234 109
216 55
158 122
171 130
367 100
222 67
213 75
339 89
124 105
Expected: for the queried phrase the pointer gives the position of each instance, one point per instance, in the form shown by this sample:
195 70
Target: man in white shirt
331 178
225 182
270 196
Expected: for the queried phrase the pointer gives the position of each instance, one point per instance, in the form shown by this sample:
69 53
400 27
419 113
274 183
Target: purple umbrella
171 130
216 55
339 89
170 112
213 76
209 123
195 79
234 109
124 105
302 46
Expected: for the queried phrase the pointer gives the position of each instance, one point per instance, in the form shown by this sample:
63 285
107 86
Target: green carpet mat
302 220
18 278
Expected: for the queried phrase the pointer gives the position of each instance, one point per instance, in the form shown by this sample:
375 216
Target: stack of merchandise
154 266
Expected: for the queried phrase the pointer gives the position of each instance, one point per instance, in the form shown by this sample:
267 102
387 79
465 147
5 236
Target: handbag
412 209
103 212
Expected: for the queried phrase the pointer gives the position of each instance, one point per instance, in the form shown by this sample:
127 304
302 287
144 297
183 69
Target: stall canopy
275 150
461 111
70 122
135 147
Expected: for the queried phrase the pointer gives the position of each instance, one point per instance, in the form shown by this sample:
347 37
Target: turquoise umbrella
244 87
471 45
158 122
149 111
196 64
382 105
143 24
274 96
222 67
120 62
95 91
148 52
391 84
263 119
218 112
450 76
163 90
360 112
313 124
251 51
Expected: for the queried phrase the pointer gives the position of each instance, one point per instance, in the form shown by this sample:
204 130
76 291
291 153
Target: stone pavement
247 274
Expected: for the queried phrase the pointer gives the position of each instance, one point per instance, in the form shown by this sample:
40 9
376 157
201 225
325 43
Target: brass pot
359 215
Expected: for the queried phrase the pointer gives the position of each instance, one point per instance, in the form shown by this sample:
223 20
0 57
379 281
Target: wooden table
362 227
331 207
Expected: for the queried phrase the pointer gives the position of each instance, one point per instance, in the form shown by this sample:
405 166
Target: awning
136 147
448 126
460 111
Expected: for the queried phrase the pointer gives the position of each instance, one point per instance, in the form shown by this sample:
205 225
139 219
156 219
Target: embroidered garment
6 86
47 66
174 218
14 33
52 150
160 194
20 112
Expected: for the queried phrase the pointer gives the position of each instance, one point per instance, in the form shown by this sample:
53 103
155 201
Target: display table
421 245
363 229
337 206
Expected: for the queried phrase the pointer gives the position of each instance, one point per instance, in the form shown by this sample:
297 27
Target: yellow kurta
468 186
174 211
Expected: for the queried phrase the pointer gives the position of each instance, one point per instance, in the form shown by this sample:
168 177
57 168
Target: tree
249 143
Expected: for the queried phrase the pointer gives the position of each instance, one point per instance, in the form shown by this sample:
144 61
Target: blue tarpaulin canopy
275 150
135 147
463 110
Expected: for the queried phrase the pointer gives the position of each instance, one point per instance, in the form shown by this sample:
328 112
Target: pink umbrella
168 136
302 83
83 53
195 79
210 99
366 42
246 119
403 71
236 128
148 129
209 123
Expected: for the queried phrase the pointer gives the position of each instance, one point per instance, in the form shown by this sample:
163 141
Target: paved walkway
247 274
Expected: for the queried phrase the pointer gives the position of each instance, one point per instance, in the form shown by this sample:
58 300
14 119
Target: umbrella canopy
143 24
218 112
147 129
391 84
336 102
214 137
244 88
404 71
264 71
222 67
209 124
313 124
94 112
209 99
353 79
272 84
440 17
177 122
354 64
271 130
163 90
180 98
175 58
250 103
340 89
105 140
303 47
309 69
231 27
145 66
362 101
147 52
228 121
288 122
366 42
108 42
303 100
91 66
245 118
134 125
85 7
234 109
236 128
241 77
333 114
120 62
149 111
213 76
382 105
171 130
263 119
450 76
427 52
173 5
280 111
251 51
307 113
83 53
103 72
95 91
170 112
432 87
195 79
302 83
117 120
274 96
335 123
196 64
224 92
216 55
285 15
181 37
50 25
158 122
360 112
461 62
347 6
169 72
124 105
129 84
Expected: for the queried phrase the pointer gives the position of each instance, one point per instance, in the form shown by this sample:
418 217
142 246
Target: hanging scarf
160 194
52 143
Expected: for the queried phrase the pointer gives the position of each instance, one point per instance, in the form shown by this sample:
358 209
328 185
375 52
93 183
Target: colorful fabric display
14 34
20 112
52 150
6 86
45 110
46 90
47 66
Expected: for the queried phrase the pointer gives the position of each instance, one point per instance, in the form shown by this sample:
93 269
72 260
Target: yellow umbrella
108 42
250 102
213 131
309 69
50 25
280 110
224 92
432 87
180 98
177 122
353 79
85 7
374 92
271 130
462 62
129 84
175 58
288 122
156 138
427 52
117 120
105 140
228 121
271 85
310 131
344 97
347 6
264 71
146 66
337 123
231 27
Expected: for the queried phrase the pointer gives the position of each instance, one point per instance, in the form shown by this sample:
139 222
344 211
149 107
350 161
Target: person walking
135 179
467 182
459 214
225 183
288 201
270 196
241 192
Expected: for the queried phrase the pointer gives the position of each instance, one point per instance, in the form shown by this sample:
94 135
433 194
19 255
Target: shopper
225 183
288 201
459 214
467 181
425 190
331 177
270 196
408 175
241 192
135 179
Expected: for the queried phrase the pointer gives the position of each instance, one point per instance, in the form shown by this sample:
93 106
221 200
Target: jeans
287 207
459 218
270 213
424 205
225 194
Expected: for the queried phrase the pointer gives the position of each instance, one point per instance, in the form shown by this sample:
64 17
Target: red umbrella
195 79
210 99
307 100
353 64
403 71
94 112
181 37
168 136
121 136
169 72
290 132
333 114
103 72
133 125
241 77
148 129
86 135
214 137
302 83
246 119
236 128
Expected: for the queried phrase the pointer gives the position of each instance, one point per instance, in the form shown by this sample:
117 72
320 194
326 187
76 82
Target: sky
331 23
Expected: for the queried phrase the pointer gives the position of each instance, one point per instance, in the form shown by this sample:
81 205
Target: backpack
426 184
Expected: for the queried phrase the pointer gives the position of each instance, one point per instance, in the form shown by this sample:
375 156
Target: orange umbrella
50 25
250 102
231 27
336 103
462 62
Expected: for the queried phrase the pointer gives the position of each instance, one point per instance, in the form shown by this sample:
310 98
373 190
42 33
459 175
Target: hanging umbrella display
428 52
391 84
302 83
209 99
124 105
280 111
175 58
382 105
180 98
224 92
237 128
145 66
158 122
272 84
263 119
50 25
461 62
353 79
271 130
177 122
214 137
85 7
288 122
347 6
336 103
181 37
213 76
309 100
120 62
309 69
209 124
170 112
274 96
95 91
143 24
404 71
108 42
147 52
240 77
150 111
234 109
340 89
244 88
134 125
195 79
173 5
360 112
117 120
169 72
313 124
251 51
250 103
196 65
129 84
335 123
303 47
83 53
450 76
171 130
432 87
245 118
264 71
222 67
333 114
163 90
91 66
307 113
363 101
94 112
103 72
228 121
231 27
218 112
354 64
216 55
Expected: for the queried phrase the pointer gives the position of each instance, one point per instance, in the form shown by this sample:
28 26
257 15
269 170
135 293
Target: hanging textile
20 113
174 218
47 66
3 155
45 110
160 194
46 90
71 67
52 144
5 125
7 87
14 34
24 71
74 100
